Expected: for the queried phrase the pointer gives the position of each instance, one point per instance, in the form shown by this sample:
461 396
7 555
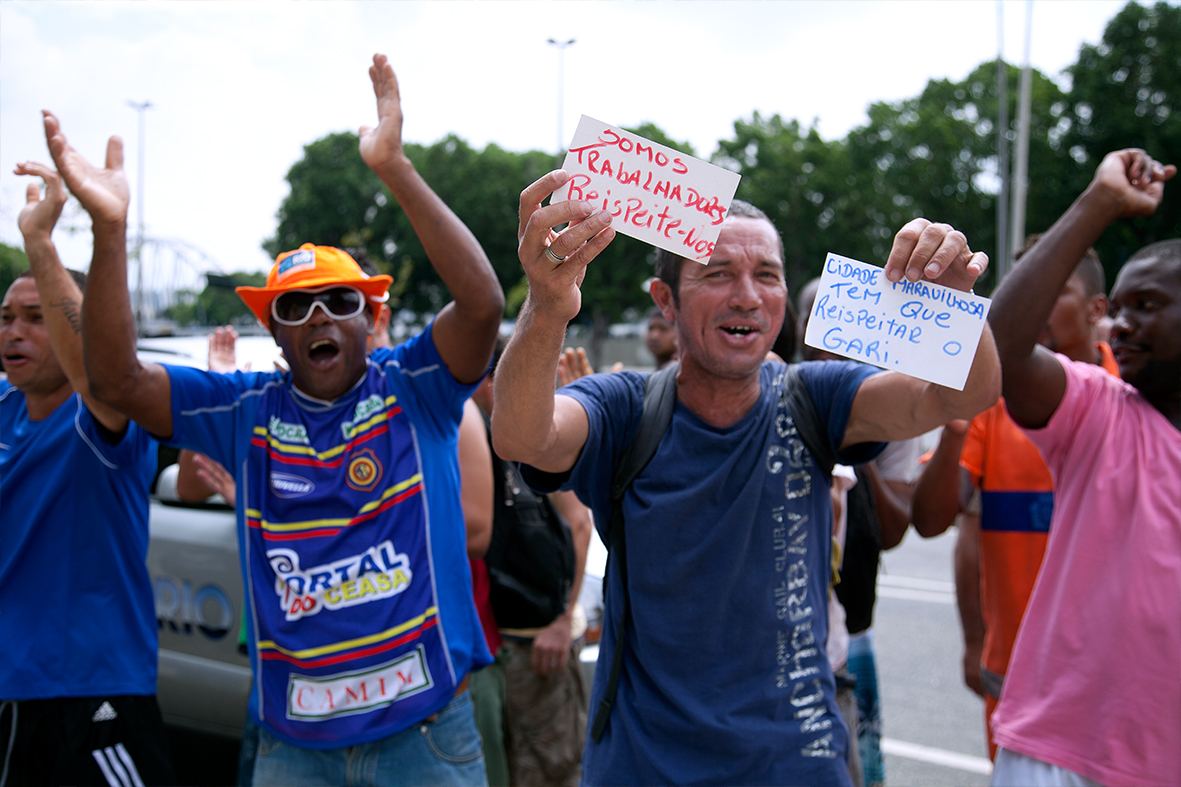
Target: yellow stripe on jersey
312 524
349 644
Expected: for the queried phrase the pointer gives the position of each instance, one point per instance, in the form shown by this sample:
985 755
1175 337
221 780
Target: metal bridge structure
161 273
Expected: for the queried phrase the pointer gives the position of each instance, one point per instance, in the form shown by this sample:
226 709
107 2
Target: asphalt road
932 724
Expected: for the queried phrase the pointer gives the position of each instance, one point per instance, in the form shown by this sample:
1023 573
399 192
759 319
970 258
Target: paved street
933 725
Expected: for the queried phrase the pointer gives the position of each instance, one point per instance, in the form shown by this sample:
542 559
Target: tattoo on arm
72 311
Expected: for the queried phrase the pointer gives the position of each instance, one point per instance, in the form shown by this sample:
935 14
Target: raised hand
381 146
216 476
222 350
924 251
1133 180
555 287
573 364
39 215
103 192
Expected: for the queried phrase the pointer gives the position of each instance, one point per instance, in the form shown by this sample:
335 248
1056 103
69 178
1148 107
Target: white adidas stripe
101 759
131 769
117 766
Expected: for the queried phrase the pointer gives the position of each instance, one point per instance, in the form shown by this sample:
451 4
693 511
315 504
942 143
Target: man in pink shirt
1092 695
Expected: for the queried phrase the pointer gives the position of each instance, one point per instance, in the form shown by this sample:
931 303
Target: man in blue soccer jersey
77 619
361 624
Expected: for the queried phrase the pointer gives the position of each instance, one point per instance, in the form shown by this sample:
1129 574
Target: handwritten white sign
656 194
921 329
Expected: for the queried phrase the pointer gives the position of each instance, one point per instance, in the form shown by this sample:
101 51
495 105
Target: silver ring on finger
554 258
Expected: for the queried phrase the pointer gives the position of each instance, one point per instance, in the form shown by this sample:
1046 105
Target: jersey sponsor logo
286 485
344 694
302 260
377 573
288 433
364 471
365 408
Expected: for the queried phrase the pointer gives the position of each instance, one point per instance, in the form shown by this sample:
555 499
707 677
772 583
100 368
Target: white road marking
914 589
952 759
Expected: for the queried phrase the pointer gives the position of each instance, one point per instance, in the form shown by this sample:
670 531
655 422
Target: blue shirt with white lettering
351 539
729 539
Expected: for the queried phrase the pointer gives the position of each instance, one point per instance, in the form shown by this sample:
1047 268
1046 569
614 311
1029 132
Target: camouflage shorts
545 720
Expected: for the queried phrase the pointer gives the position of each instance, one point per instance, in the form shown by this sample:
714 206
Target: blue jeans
863 666
444 752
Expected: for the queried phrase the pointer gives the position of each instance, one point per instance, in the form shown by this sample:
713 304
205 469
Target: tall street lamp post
561 45
139 107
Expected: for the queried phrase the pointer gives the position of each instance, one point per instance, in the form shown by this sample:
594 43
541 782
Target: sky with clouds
238 88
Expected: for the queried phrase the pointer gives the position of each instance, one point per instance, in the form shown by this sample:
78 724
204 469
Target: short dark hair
668 264
788 339
1166 250
360 255
806 299
1089 268
78 276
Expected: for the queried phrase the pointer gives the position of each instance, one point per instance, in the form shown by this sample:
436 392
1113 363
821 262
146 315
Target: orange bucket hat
310 267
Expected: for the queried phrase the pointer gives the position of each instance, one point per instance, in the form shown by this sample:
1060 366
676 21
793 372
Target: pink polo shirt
1094 684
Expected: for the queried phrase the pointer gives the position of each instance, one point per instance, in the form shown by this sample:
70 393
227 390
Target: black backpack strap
812 432
660 397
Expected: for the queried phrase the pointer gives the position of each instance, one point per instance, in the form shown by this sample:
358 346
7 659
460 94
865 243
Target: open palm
40 214
103 192
382 145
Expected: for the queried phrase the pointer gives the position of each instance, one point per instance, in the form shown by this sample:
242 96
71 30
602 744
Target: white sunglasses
339 302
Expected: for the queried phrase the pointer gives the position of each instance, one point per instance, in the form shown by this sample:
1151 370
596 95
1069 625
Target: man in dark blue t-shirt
724 677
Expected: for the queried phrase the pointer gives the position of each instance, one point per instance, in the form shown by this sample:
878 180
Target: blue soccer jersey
351 540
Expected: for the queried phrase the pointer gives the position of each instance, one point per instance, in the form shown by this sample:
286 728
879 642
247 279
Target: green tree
1126 92
336 200
934 156
12 263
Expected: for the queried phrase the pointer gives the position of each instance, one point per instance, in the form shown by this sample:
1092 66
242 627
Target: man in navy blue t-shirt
724 679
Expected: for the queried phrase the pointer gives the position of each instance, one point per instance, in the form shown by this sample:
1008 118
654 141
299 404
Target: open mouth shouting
14 358
322 352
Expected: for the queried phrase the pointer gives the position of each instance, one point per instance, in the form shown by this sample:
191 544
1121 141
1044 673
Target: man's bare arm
938 491
475 474
61 300
551 646
892 503
117 378
465 330
529 423
967 596
1126 183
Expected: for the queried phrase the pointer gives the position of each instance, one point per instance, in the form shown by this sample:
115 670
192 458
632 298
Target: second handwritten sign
921 329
